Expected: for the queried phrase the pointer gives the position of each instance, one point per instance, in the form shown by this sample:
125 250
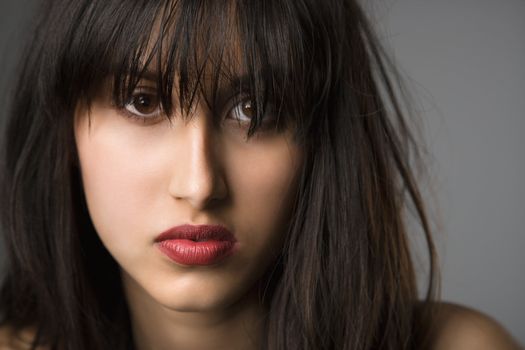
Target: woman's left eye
244 111
144 105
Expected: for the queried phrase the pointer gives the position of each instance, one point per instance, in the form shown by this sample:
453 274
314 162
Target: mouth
199 240
197 245
197 233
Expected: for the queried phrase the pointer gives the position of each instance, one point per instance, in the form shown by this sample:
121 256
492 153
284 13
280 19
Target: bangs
196 49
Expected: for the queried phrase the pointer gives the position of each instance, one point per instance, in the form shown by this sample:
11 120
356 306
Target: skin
459 327
142 178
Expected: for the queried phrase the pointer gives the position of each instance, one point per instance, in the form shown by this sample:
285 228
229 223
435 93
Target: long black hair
345 278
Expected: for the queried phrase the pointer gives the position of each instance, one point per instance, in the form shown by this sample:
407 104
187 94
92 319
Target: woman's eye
244 111
144 105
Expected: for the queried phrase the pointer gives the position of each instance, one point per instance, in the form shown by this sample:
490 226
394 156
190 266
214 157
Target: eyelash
235 103
135 114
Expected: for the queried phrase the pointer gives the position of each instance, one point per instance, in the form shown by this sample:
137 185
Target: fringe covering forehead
192 49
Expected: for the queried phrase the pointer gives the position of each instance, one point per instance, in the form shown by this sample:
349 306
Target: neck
237 326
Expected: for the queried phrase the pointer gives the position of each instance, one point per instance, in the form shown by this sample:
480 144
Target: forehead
193 33
187 37
188 42
189 46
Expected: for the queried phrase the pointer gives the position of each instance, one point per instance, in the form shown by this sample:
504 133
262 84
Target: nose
197 177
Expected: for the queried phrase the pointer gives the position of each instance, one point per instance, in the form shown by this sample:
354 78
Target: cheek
263 187
120 180
264 183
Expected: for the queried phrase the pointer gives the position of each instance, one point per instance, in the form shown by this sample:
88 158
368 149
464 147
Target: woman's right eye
143 105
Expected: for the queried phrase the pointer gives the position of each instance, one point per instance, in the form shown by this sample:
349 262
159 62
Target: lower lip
187 252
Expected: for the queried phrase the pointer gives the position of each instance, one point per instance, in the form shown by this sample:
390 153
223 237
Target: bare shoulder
459 327
12 340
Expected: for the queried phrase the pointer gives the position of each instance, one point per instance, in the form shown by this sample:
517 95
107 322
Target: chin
195 302
194 297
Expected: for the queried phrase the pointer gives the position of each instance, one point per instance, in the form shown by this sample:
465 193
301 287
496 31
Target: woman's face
142 177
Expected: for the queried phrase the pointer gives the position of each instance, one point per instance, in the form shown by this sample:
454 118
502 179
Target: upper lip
197 233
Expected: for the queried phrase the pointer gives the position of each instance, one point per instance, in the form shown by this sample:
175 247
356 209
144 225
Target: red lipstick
196 245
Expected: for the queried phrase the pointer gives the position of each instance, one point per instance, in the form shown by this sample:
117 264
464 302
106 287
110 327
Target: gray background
464 63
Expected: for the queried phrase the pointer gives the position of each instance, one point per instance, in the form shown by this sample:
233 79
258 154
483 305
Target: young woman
214 175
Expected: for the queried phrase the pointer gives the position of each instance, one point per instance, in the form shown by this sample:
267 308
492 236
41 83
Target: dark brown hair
345 278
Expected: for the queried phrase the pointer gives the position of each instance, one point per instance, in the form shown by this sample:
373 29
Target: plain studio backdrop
464 63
